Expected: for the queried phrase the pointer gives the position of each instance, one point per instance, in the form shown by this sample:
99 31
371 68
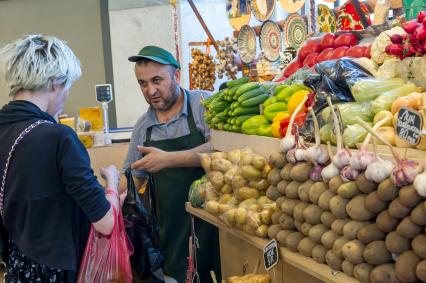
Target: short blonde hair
35 62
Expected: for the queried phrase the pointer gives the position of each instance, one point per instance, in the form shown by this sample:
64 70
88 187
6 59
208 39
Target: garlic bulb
420 184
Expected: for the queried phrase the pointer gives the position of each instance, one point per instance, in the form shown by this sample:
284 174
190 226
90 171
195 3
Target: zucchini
219 106
259 99
246 87
249 94
237 82
240 110
233 90
240 119
234 105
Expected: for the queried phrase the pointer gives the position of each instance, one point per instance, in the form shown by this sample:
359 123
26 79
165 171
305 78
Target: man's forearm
188 158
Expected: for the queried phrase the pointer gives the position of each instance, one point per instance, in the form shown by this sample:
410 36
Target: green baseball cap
156 54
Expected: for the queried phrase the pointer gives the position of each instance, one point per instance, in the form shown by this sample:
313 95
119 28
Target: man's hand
154 159
112 176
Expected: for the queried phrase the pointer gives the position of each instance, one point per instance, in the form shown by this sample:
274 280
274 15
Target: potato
292 189
216 178
405 267
387 191
352 251
273 177
205 161
288 206
255 208
247 193
264 201
333 261
234 156
253 219
421 270
246 158
287 222
293 240
221 165
338 225
348 190
419 245
408 229
252 174
277 160
335 183
266 170
273 231
305 247
272 193
281 186
258 161
351 229
356 209
327 219
247 203
316 190
262 231
385 222
282 236
298 211
374 204
212 207
338 207
276 217
240 215
238 182
285 172
418 215
337 246
384 273
318 253
347 268
300 172
305 228
226 189
324 199
248 229
304 190
370 233
260 185
375 253
364 185
409 196
312 214
218 155
316 232
362 272
266 215
328 239
298 225
223 208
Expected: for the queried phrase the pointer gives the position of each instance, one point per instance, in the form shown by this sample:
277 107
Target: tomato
356 51
325 55
367 52
310 60
327 41
292 68
346 39
312 46
339 52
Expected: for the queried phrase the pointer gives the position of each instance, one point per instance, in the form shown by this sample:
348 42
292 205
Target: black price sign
270 254
103 93
409 126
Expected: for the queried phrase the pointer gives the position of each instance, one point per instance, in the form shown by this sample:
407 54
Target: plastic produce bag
349 112
384 101
369 89
354 134
107 258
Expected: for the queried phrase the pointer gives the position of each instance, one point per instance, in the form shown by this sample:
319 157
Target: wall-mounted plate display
262 9
295 31
238 12
326 20
270 40
292 6
246 44
349 19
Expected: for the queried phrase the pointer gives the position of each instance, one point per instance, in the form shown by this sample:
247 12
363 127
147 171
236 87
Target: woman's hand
112 177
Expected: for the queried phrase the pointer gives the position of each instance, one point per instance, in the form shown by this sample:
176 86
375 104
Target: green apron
170 192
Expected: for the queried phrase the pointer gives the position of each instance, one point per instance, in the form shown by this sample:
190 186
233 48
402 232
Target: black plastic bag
147 259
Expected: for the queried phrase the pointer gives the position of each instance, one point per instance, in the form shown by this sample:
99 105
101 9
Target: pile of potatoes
238 190
373 232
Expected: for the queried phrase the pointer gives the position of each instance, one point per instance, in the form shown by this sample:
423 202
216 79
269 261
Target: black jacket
51 193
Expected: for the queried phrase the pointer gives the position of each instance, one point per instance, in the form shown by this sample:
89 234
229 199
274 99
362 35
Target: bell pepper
295 100
250 125
286 93
280 115
271 110
279 88
269 101
264 130
299 121
276 125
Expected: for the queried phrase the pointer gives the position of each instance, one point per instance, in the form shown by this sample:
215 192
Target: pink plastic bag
107 258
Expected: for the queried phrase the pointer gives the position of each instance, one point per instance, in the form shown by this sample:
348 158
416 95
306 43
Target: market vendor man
164 147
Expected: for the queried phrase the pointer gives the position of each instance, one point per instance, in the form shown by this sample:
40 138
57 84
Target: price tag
270 254
409 125
103 93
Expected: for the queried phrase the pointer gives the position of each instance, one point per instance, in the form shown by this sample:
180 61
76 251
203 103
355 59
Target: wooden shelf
305 264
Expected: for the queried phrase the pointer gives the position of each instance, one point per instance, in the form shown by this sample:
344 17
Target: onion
316 154
405 171
289 141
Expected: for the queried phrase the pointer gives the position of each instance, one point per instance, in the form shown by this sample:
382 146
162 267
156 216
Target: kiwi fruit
374 204
385 222
370 233
397 209
364 185
405 266
387 191
375 253
396 243
408 229
409 196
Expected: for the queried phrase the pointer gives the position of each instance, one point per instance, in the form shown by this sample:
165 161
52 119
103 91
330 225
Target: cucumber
236 128
246 87
259 99
245 110
233 90
240 119
279 88
219 106
237 82
249 94
234 105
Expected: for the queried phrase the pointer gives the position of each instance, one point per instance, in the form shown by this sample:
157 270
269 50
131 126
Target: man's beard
175 90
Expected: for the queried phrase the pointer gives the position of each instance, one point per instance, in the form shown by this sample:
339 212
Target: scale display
103 93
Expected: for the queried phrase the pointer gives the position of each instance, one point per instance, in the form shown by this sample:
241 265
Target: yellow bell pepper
280 115
276 129
295 100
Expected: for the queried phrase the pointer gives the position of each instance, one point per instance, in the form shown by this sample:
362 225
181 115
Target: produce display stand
240 251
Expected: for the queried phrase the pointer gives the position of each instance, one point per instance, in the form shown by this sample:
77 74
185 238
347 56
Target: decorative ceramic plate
295 31
326 20
246 44
349 19
238 13
262 9
292 6
270 40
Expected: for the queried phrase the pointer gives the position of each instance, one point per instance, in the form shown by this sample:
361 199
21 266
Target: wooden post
203 24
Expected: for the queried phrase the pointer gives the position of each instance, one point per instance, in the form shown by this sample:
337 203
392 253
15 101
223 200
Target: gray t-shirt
176 127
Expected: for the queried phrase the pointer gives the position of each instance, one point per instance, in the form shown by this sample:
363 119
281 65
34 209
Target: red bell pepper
299 121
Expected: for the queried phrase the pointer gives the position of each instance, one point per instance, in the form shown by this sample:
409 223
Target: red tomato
356 51
325 55
312 46
339 52
310 60
367 52
292 68
327 41
345 39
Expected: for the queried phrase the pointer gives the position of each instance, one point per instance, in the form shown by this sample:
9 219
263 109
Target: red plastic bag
107 258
